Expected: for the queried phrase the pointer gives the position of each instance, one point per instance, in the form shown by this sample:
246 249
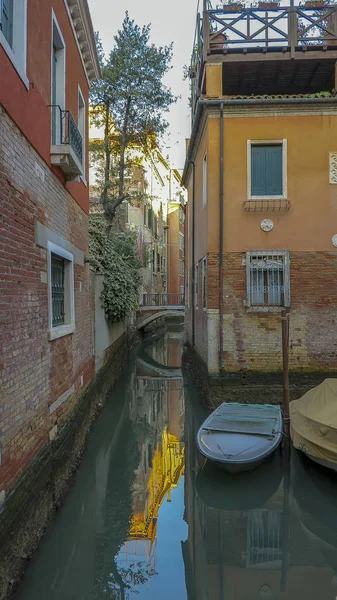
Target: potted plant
191 72
232 7
314 4
217 41
268 5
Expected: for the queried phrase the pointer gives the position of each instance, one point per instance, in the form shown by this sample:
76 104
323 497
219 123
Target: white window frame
61 75
251 254
204 180
83 133
251 143
69 325
204 283
17 53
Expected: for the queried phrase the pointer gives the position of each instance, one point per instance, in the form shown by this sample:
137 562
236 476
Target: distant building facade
150 214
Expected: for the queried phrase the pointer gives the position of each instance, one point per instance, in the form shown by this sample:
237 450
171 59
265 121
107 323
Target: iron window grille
267 278
57 289
264 539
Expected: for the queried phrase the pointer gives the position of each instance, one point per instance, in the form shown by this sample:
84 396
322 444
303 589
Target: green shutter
149 216
274 170
7 20
266 170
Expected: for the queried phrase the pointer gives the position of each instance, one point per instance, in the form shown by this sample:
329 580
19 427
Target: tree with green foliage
129 102
115 256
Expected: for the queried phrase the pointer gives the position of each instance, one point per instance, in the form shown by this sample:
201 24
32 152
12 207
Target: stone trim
61 400
43 235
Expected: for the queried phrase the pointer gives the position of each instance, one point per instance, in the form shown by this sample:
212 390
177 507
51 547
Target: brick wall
35 372
252 340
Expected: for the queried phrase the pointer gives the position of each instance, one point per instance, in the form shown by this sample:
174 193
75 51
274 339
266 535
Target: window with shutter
7 20
267 170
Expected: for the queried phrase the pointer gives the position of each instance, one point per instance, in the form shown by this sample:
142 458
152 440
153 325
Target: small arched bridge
154 306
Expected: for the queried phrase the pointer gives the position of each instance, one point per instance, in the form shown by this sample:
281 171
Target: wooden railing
285 27
163 300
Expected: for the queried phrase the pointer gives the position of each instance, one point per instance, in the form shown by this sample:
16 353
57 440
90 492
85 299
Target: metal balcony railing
65 130
163 300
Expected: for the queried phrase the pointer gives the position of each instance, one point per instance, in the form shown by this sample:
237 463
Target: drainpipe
193 251
221 182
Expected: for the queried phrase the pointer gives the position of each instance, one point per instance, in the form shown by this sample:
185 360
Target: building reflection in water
248 540
156 407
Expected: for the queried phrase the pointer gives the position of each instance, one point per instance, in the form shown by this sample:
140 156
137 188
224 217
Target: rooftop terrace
266 49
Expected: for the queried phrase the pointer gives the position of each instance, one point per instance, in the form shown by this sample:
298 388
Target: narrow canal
147 519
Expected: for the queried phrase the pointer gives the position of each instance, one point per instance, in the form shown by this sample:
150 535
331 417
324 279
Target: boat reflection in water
315 493
250 538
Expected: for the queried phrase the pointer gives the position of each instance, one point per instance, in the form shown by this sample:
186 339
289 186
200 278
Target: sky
173 21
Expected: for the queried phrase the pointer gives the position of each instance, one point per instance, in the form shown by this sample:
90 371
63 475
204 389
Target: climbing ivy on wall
114 255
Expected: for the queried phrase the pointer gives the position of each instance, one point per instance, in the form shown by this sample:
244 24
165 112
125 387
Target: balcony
66 149
286 50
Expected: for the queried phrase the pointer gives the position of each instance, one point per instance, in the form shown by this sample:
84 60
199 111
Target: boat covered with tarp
313 423
238 437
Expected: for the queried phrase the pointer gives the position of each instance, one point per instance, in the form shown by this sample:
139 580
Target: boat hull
235 467
236 443
313 424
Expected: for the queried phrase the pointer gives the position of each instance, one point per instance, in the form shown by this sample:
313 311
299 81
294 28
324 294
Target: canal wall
40 492
106 334
246 386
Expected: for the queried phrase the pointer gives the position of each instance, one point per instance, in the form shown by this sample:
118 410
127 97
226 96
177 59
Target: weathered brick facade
40 379
252 340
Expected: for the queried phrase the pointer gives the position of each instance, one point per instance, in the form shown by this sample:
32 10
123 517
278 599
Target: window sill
18 67
264 309
268 205
61 331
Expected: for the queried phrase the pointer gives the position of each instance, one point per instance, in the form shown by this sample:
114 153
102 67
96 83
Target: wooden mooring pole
285 352
286 451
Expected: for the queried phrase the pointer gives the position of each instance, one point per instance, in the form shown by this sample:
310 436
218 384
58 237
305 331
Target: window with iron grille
61 304
57 289
267 278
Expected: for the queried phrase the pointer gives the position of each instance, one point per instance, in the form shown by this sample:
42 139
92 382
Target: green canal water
146 518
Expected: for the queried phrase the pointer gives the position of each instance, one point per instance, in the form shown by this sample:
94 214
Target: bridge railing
163 300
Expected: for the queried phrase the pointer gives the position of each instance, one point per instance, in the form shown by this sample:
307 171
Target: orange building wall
29 108
252 340
310 222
